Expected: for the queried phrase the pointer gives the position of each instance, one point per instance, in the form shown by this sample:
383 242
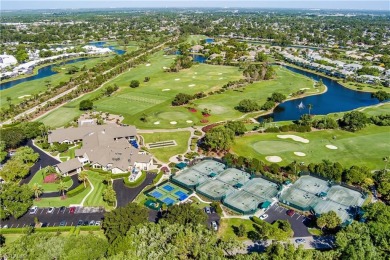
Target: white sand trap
189 121
193 77
220 78
165 68
294 137
304 88
147 65
164 55
157 123
220 73
177 79
273 158
166 89
191 85
332 147
299 154
195 73
173 122
63 68
24 96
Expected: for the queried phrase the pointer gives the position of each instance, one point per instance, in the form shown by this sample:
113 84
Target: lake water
103 45
209 40
199 58
43 72
47 71
336 99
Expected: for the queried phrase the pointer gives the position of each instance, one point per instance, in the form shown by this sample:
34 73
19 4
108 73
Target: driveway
125 195
299 223
53 219
43 161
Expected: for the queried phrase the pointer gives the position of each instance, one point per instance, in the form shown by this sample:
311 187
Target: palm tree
83 176
38 190
62 188
107 179
386 159
310 106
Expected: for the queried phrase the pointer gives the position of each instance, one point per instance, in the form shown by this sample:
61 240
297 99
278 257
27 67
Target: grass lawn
95 199
366 147
165 153
58 202
10 238
39 85
47 187
195 39
70 153
222 105
227 226
198 204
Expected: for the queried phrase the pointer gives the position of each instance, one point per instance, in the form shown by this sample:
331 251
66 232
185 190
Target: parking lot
56 217
299 223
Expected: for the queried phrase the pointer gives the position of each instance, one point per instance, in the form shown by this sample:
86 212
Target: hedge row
136 183
76 190
72 229
119 175
158 177
66 178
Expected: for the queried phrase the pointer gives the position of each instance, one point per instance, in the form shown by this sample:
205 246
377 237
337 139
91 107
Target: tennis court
310 193
169 193
199 173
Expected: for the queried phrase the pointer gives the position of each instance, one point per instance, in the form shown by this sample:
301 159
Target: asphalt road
43 161
124 195
52 219
299 223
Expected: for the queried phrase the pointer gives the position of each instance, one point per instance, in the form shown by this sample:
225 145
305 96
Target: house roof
79 133
68 166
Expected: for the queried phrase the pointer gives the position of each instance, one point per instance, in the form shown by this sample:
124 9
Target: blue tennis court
168 188
156 194
168 201
182 196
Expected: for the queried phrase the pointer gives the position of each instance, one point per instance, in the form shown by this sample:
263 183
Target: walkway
125 195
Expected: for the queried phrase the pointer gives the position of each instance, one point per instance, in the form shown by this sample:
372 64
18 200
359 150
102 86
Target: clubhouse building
107 147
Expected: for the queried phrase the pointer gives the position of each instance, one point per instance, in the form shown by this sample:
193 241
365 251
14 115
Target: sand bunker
24 96
189 121
196 73
304 88
220 73
273 158
294 137
220 78
177 79
299 154
191 85
166 89
332 147
157 123
147 65
165 68
193 77
173 122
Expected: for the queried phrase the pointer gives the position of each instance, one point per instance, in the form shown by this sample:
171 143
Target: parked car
214 225
86 223
207 210
62 223
290 212
92 223
98 223
300 241
50 210
44 224
62 209
264 216
5 226
72 210
80 223
33 210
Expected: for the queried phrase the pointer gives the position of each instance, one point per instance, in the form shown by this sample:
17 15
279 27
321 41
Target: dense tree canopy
219 138
247 105
353 121
185 214
86 104
15 200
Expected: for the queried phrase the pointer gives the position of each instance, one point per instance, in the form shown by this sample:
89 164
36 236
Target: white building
7 60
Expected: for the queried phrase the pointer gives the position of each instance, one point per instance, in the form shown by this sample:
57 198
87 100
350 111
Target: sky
311 4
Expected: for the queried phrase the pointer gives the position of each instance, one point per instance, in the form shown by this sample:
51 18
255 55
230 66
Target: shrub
134 84
158 177
136 183
272 130
76 191
66 178
86 104
268 105
247 105
115 176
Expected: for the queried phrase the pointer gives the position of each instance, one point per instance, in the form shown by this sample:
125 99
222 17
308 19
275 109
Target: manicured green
37 86
47 187
195 39
95 199
165 153
226 229
365 147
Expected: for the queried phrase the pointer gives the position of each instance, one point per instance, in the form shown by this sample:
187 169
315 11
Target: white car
33 210
264 216
50 210
214 225
98 223
300 241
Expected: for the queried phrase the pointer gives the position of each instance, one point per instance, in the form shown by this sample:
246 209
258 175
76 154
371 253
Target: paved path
33 109
125 195
89 193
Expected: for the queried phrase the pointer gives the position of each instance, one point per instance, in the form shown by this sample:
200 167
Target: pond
43 72
336 99
199 58
47 71
209 40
